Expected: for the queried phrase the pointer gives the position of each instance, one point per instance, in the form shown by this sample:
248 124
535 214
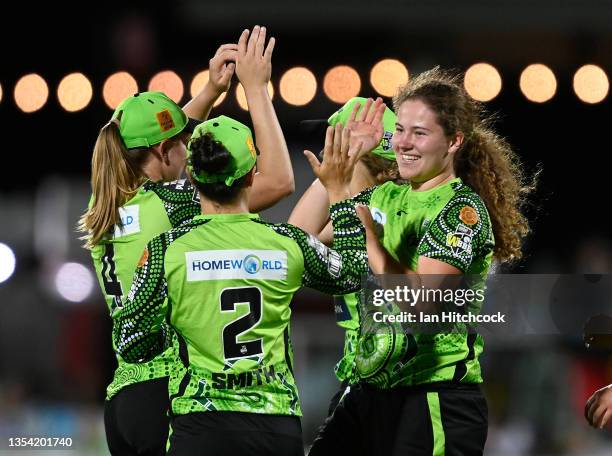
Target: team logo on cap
251 146
164 119
386 140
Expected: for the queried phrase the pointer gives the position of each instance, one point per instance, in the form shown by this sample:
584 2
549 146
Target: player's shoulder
168 189
168 237
283 228
465 193
389 190
467 205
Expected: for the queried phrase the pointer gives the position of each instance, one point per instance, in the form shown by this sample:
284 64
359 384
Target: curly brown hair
381 169
485 161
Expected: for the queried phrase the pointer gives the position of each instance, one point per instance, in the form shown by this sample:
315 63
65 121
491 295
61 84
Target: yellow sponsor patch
452 240
468 215
251 146
460 242
164 119
143 258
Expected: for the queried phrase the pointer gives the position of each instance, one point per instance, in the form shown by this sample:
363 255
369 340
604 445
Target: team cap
236 138
147 118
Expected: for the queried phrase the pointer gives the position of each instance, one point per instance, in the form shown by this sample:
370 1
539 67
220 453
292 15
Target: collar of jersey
241 217
456 180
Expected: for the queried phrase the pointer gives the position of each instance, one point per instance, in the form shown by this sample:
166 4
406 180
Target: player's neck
440 179
212 207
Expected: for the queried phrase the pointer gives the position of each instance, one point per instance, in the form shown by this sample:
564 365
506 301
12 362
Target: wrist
212 90
255 88
338 194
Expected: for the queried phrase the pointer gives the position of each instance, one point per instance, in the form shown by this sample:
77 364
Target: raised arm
274 179
221 69
141 332
311 213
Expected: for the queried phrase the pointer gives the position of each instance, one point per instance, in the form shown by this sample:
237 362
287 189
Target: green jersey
156 207
347 317
449 223
224 283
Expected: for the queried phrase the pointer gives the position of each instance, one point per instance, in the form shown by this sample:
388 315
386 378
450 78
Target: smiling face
423 152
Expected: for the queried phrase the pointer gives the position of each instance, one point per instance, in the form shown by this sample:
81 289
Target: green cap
147 118
236 138
384 149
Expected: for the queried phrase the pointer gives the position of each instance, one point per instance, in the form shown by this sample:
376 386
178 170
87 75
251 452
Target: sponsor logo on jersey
130 221
252 264
331 257
236 264
460 241
379 216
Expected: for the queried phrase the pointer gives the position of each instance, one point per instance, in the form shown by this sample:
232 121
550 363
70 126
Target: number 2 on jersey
230 298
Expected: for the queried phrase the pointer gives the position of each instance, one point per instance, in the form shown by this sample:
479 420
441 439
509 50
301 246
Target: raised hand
339 158
221 67
253 62
367 127
598 408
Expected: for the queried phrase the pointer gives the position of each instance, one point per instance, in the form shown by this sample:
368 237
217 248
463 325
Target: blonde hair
485 161
116 175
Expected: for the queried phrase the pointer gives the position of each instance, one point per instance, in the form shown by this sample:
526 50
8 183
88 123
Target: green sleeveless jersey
449 223
156 207
224 283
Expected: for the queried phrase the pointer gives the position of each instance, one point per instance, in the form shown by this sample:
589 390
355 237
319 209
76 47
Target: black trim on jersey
461 368
111 287
287 345
183 353
181 391
184 357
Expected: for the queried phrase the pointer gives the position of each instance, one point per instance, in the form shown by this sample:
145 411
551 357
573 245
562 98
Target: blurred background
542 67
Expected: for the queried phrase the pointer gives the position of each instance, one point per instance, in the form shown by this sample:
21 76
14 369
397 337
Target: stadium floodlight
341 83
387 75
298 86
31 93
74 92
169 83
482 81
538 83
117 87
591 84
